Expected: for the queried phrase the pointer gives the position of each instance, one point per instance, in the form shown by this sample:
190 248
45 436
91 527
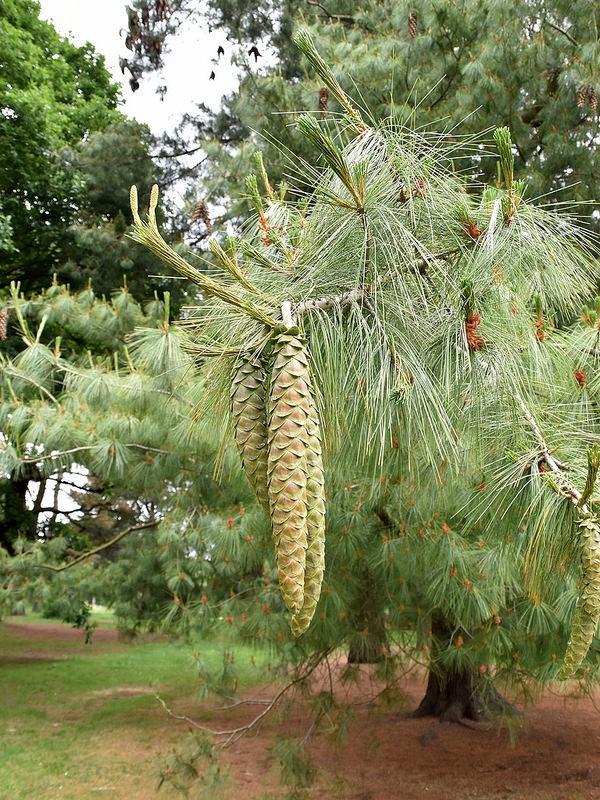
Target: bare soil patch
552 753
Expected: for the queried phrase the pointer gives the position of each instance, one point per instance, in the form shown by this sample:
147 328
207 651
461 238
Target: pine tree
423 330
465 67
99 432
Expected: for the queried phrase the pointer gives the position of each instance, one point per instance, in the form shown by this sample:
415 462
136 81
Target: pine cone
323 101
593 99
315 528
582 93
474 340
580 377
412 24
250 422
587 613
201 212
287 467
3 323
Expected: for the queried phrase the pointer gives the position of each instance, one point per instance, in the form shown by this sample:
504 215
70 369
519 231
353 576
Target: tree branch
564 486
234 734
563 31
84 448
358 295
339 17
101 547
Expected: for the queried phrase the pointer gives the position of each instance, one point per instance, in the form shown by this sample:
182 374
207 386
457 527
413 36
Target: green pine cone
315 553
248 408
287 465
587 614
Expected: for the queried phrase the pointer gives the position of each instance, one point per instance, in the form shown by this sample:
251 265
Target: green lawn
83 721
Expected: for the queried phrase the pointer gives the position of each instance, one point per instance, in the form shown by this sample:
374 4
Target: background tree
530 66
99 250
66 152
53 95
103 454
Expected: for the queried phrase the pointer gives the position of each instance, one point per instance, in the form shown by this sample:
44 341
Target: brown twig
330 15
232 735
100 548
563 31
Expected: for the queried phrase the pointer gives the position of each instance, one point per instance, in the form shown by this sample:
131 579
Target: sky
187 70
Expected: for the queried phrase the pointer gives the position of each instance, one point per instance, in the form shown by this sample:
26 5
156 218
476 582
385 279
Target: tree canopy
425 341
52 95
466 66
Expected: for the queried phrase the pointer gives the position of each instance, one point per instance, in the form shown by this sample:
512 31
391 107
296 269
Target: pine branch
587 613
357 295
100 548
334 158
147 233
564 486
563 31
330 14
9 370
84 448
305 44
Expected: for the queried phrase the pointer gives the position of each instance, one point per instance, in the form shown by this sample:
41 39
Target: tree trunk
454 694
16 520
462 695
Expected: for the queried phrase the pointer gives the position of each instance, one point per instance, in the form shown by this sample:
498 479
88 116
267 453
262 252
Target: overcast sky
188 66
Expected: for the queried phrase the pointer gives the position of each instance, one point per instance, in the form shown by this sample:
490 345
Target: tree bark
16 520
456 694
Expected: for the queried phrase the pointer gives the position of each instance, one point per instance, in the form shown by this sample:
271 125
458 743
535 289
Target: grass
82 721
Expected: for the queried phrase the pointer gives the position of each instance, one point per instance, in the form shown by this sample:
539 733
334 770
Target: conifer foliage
105 467
416 329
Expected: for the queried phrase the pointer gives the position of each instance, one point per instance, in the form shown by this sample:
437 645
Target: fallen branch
232 735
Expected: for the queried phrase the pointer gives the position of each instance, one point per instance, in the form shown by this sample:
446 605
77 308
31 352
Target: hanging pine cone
582 93
287 467
587 613
315 527
3 323
248 410
412 24
201 212
323 101
593 99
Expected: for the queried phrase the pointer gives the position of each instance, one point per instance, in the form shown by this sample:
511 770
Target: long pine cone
287 468
587 613
315 526
248 408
